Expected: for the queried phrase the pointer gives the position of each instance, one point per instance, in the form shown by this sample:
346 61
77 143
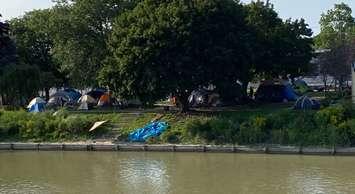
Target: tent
36 105
275 92
203 97
57 101
306 103
86 102
73 94
97 93
105 100
37 100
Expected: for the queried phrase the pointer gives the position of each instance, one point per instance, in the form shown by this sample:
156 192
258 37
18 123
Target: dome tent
86 102
306 103
57 101
105 100
73 94
97 93
36 105
270 91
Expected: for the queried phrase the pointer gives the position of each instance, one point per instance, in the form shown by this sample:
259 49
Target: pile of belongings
306 103
153 129
37 105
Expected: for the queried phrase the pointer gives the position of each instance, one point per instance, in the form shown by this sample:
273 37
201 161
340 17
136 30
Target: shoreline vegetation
333 126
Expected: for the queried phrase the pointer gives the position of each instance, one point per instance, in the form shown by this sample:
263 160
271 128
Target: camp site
177 96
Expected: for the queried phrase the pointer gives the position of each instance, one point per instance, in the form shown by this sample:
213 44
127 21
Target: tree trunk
46 91
244 96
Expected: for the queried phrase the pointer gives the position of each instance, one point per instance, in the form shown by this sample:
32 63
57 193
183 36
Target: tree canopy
149 49
173 47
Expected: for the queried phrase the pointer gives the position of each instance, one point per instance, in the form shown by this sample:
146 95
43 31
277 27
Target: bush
256 130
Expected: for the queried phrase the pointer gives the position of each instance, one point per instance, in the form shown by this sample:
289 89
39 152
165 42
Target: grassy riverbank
272 124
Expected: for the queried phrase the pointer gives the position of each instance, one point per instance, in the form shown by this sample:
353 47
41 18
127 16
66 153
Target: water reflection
107 172
149 174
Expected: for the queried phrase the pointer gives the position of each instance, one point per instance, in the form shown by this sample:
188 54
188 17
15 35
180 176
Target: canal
131 173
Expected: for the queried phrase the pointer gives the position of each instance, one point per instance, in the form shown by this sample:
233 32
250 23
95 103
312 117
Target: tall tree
173 47
337 26
279 48
338 35
18 81
34 42
82 29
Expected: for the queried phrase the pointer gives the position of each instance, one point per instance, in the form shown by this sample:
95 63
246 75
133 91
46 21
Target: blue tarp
38 107
153 129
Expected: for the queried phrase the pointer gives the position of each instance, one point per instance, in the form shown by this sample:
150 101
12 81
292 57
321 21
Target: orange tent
104 100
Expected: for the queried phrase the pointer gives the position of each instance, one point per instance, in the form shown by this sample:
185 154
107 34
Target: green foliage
337 26
254 131
45 126
330 126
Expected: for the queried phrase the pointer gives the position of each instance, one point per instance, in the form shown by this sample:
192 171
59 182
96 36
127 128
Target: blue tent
290 93
153 129
73 94
37 107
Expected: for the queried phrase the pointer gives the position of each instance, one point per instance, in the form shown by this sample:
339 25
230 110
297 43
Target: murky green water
111 172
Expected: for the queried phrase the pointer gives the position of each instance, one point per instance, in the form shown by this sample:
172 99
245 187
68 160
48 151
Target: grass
272 124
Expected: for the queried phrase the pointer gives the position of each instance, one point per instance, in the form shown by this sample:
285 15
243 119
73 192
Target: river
180 173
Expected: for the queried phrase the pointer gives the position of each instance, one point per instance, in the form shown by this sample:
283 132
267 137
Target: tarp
36 101
153 129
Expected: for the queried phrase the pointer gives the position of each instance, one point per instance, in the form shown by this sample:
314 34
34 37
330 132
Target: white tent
88 99
36 100
85 102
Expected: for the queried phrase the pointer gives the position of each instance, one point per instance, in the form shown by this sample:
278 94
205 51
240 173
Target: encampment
275 92
36 105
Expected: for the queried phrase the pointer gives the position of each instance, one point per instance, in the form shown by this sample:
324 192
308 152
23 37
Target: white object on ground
97 124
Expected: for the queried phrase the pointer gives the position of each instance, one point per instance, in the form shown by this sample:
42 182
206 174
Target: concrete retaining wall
179 148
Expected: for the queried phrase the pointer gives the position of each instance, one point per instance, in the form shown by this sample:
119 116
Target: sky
310 10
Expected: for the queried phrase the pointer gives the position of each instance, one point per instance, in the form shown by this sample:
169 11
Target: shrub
256 130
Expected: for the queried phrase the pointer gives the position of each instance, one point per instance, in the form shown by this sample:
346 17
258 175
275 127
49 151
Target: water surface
117 172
